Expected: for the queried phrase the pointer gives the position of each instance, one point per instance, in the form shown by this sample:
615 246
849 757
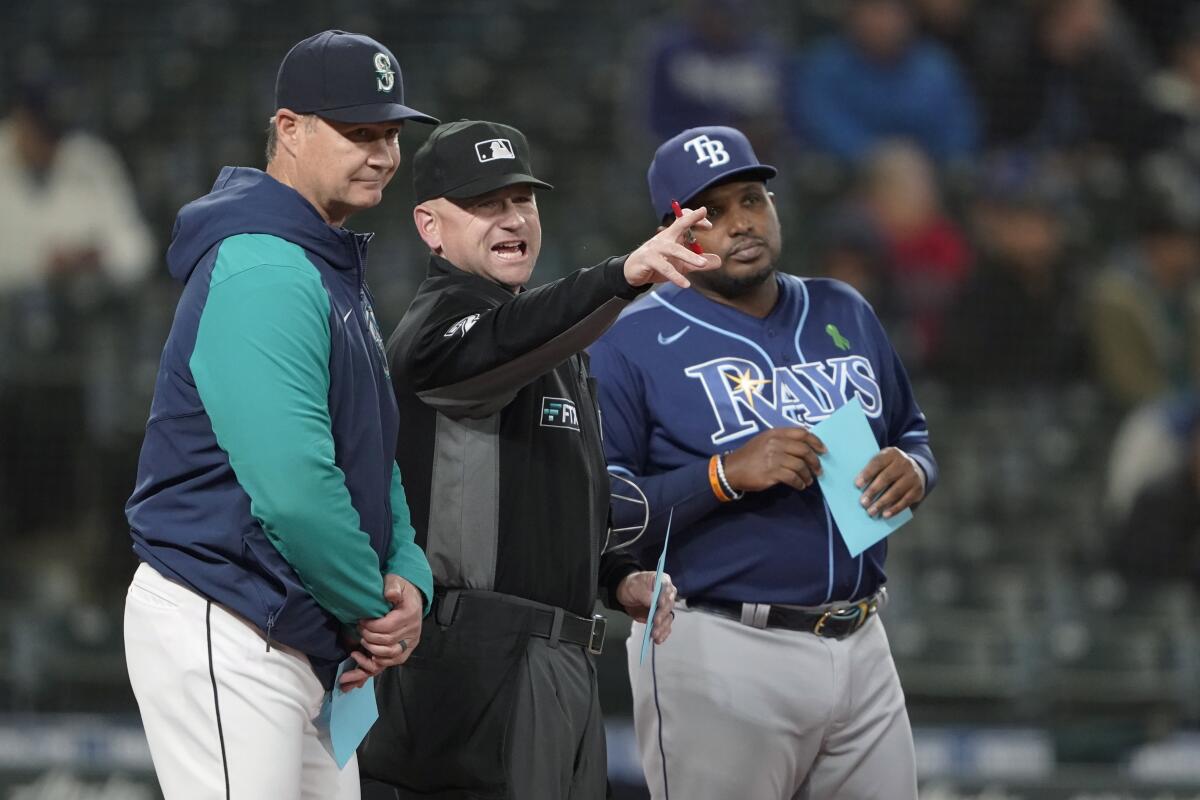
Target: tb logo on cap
711 150
385 76
492 149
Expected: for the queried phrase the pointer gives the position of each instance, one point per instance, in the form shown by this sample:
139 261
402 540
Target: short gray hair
272 139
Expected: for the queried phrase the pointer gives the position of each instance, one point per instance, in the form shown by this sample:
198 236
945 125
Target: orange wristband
715 482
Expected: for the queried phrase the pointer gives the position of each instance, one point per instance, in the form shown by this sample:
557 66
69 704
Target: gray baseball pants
725 710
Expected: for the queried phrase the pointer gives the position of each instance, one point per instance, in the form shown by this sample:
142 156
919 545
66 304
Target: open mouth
512 248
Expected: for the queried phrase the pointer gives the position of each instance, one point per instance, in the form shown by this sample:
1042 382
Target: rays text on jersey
744 401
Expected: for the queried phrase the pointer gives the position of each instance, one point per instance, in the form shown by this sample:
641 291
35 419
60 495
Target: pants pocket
144 591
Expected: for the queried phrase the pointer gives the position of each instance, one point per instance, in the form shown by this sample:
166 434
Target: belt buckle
596 637
820 626
856 614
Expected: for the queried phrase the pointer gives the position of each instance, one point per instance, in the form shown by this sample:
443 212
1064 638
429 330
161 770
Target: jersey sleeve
906 425
624 414
261 367
404 557
470 358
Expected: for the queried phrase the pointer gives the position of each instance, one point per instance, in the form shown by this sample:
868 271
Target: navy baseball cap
344 77
471 157
690 162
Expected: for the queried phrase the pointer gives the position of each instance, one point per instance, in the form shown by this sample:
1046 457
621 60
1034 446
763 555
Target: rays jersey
683 378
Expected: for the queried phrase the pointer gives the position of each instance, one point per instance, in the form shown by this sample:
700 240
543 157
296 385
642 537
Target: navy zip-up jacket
267 481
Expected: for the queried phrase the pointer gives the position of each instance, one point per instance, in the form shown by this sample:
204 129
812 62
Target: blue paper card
350 715
662 560
851 444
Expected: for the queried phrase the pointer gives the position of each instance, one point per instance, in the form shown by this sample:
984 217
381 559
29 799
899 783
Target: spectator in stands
1143 317
878 80
1160 537
927 252
66 202
711 64
1175 90
1017 325
850 247
1066 77
72 239
1150 443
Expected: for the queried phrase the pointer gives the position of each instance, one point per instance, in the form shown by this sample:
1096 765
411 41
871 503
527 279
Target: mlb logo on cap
442 167
690 162
491 149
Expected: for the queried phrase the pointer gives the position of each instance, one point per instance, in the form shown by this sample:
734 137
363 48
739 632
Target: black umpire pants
482 710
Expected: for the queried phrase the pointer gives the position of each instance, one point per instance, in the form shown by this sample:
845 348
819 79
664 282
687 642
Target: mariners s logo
745 400
385 76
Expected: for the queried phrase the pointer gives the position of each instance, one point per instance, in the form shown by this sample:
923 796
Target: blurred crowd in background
1013 184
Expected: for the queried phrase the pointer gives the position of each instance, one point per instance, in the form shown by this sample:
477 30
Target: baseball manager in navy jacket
777 681
268 513
503 465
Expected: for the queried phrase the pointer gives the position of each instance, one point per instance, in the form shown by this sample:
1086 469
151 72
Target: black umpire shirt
499 445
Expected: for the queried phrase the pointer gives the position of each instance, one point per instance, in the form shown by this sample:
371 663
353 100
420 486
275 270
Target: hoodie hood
245 200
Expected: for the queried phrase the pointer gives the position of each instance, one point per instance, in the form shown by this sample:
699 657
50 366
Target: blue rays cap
344 77
690 162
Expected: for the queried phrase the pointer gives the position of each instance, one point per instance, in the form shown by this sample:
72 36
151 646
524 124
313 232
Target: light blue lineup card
662 560
850 445
349 715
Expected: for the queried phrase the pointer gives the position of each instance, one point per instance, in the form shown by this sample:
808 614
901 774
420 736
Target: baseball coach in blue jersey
268 513
777 681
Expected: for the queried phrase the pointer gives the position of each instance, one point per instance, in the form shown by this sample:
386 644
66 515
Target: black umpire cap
469 158
344 77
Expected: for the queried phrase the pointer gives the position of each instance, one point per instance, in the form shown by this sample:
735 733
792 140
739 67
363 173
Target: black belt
546 621
835 623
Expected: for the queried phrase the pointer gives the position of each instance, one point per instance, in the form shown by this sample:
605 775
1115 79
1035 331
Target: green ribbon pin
839 341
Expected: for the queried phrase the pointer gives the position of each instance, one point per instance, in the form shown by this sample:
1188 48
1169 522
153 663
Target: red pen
690 241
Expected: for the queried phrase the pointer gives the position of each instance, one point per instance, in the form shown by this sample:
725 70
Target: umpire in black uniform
505 476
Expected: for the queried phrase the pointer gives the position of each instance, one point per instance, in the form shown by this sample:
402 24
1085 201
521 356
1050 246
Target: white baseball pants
726 710
225 716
